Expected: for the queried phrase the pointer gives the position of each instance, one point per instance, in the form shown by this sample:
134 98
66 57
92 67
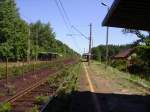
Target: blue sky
81 13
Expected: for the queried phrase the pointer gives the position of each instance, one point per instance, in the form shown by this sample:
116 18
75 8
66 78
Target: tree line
15 34
99 52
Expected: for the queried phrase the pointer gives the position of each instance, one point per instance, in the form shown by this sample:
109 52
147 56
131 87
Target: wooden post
6 71
23 70
7 86
90 40
127 65
34 68
29 47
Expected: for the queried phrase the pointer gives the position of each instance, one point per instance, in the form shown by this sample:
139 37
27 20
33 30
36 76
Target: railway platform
101 90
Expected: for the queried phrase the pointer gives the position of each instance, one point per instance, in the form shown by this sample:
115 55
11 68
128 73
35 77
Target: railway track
27 90
24 100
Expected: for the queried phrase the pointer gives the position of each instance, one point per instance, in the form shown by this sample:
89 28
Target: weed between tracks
66 83
53 82
41 99
6 107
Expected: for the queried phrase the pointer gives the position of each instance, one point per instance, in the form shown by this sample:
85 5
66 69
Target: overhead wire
65 13
61 14
67 17
79 32
67 21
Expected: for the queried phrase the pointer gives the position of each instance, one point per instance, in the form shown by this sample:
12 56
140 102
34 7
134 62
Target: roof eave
111 10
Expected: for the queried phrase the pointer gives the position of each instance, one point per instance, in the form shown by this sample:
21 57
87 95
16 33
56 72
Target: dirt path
103 91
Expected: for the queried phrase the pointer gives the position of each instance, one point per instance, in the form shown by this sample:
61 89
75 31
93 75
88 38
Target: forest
19 38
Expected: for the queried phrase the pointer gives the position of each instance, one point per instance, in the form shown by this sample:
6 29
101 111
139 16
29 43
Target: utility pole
89 39
90 43
107 50
36 45
84 50
107 35
29 47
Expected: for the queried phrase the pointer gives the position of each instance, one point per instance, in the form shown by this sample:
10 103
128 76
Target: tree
140 34
42 36
96 53
99 52
14 34
8 18
142 47
12 31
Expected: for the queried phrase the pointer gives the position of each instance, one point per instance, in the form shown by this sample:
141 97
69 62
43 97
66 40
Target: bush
41 99
34 109
16 71
135 69
119 64
6 107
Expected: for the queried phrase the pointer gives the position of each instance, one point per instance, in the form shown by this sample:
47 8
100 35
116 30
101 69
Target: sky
80 13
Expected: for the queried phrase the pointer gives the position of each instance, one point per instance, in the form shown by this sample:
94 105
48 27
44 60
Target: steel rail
31 88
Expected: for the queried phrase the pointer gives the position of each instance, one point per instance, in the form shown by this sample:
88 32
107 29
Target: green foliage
14 35
66 83
99 52
41 99
144 54
96 53
6 107
119 64
143 50
34 109
17 70
13 31
43 40
42 37
70 78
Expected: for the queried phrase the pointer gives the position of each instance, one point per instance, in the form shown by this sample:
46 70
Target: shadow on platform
82 102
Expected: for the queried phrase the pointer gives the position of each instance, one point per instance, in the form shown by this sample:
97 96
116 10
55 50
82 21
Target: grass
67 82
67 79
70 79
6 107
125 78
64 83
41 99
20 69
34 109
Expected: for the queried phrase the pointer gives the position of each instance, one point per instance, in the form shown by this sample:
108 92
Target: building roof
124 54
53 53
86 54
132 14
